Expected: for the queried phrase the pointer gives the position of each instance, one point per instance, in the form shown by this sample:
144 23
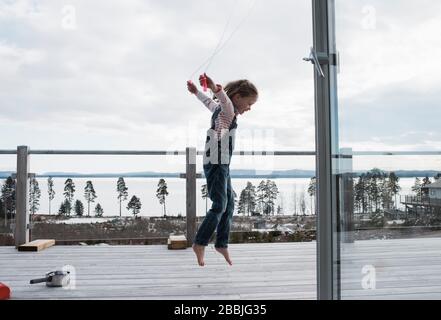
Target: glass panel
388 203
89 218
85 76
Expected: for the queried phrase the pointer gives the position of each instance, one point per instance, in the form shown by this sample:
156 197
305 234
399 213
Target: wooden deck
405 269
260 271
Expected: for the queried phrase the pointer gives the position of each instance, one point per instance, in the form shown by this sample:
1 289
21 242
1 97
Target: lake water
290 189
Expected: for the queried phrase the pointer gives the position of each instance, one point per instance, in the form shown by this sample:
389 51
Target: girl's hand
191 87
210 83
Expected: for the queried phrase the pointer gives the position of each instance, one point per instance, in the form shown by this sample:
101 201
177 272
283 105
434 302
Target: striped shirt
227 114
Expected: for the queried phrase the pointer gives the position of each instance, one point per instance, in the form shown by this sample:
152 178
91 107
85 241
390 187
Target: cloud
118 77
400 117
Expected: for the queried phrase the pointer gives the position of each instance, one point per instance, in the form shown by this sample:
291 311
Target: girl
235 99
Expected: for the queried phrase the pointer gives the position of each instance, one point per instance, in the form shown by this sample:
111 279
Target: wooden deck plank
405 268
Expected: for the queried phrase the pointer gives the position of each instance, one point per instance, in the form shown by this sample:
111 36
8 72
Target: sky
111 75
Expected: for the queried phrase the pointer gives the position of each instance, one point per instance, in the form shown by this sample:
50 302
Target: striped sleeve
207 101
225 102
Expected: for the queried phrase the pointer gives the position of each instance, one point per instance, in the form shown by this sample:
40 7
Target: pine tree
235 200
89 195
374 191
204 191
69 190
261 190
386 194
368 178
8 198
312 190
267 194
34 196
312 186
161 193
135 205
65 208
62 209
98 211
242 203
250 199
121 188
426 181
417 187
302 203
272 195
360 194
394 186
50 191
79 208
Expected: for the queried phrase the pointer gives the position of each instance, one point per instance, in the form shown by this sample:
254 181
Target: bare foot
199 250
225 253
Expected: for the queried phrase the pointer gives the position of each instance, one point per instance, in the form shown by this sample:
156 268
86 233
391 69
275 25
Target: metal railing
421 201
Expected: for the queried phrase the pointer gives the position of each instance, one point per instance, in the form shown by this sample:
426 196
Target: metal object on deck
56 278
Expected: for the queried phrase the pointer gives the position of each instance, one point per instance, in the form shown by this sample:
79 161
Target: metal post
190 178
22 192
325 120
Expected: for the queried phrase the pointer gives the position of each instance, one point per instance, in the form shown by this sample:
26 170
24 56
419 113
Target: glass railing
283 207
388 223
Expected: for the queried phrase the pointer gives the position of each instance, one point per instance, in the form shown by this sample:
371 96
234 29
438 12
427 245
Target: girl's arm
225 102
207 101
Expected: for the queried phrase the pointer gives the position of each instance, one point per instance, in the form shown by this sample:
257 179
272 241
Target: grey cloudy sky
111 75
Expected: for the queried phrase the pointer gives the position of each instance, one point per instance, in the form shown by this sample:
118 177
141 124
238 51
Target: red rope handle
204 83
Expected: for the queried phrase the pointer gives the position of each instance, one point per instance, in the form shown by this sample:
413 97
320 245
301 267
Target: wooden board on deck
37 245
177 242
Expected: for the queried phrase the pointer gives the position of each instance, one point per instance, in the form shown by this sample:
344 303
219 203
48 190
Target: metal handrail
396 153
242 153
156 153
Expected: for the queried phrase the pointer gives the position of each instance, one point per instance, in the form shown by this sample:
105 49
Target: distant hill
295 173
109 175
416 173
5 174
407 173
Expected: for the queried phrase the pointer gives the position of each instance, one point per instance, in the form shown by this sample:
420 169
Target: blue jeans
221 212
